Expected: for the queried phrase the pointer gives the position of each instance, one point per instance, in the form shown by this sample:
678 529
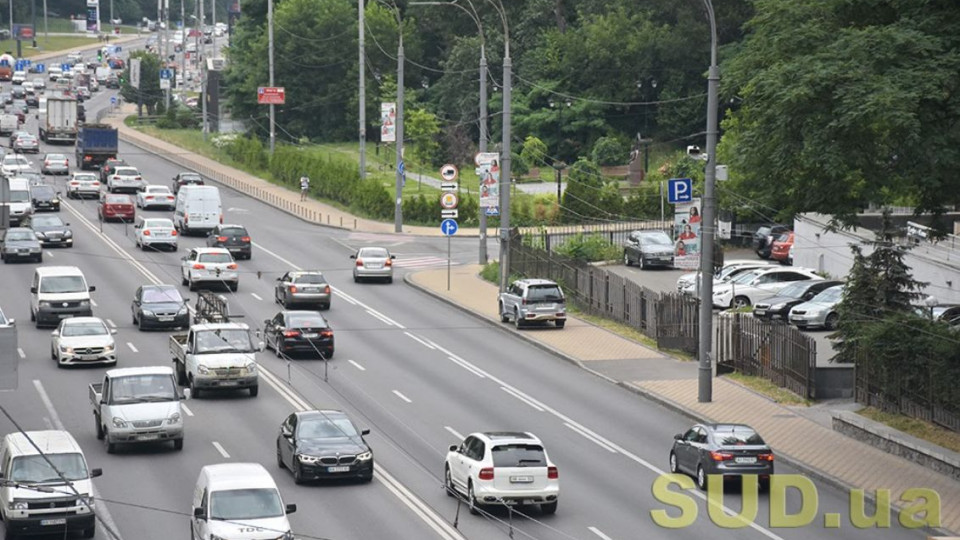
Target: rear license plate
310 336
521 479
746 460
311 290
47 522
342 468
234 249
375 266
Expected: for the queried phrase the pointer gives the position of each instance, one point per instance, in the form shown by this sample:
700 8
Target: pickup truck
137 405
216 356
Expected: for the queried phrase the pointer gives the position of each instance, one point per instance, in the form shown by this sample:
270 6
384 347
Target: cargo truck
96 143
58 120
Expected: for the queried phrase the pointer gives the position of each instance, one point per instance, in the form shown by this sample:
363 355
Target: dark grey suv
721 449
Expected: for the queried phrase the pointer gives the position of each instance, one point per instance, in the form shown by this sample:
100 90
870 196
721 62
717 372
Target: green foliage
149 93
518 165
590 248
422 130
491 272
534 152
644 203
178 117
609 151
582 198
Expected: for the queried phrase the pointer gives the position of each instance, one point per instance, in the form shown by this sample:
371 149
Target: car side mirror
12 322
66 224
364 432
33 290
453 448
291 508
54 333
113 331
285 431
199 513
279 279
91 288
677 437
261 346
393 256
353 256
96 472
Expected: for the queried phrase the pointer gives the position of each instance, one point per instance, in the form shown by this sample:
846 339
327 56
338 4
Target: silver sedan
55 164
373 263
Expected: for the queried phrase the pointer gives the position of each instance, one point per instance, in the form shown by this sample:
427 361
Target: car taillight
293 288
221 239
359 262
96 184
486 473
327 333
46 163
523 301
291 333
720 456
765 457
326 290
198 266
138 178
221 219
388 262
146 233
553 473
232 266
87 158
149 197
244 238
173 232
74 183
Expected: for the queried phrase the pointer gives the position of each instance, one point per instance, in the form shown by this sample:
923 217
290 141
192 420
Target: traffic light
100 56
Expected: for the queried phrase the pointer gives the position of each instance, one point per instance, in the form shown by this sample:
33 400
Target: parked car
324 444
44 198
303 288
83 185
779 306
233 238
55 164
373 262
648 248
764 237
497 467
209 266
726 450
299 332
20 243
533 300
154 233
687 283
780 251
186 178
820 311
83 340
159 306
156 196
50 230
754 286
116 207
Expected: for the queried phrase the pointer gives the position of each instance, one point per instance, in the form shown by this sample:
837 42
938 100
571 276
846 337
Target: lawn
917 428
44 45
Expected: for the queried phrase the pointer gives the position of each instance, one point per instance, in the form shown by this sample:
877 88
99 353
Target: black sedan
795 294
44 198
299 332
317 445
233 238
159 306
20 243
648 248
50 230
726 450
186 179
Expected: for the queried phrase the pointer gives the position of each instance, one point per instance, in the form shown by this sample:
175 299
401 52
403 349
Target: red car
116 207
780 251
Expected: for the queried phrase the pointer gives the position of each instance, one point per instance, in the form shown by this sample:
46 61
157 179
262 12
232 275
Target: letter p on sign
679 190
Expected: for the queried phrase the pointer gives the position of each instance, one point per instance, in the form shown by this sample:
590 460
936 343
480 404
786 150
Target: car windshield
15 159
162 295
829 296
233 231
518 455
16 236
158 189
84 329
47 221
375 253
42 191
62 284
310 278
142 388
38 470
215 258
19 196
237 504
326 428
658 238
729 271
785 237
85 178
795 290
117 199
544 293
157 224
223 340
190 178
737 436
126 171
306 320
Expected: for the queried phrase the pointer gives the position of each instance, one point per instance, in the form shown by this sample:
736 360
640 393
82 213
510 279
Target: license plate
229 383
165 319
746 460
65 315
342 468
521 479
311 290
148 437
59 521
310 336
376 266
234 249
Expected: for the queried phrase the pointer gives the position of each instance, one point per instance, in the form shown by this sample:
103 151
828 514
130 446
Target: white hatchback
156 196
211 266
125 179
83 340
502 468
83 184
155 232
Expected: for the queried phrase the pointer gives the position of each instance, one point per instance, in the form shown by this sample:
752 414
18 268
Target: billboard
271 95
93 19
23 32
686 227
488 169
388 122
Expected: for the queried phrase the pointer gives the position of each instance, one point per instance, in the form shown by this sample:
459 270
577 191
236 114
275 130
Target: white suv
209 265
502 467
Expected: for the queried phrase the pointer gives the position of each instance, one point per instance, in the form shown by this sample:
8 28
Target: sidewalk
798 440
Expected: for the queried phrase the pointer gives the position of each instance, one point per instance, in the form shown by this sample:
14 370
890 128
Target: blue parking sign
679 190
41 68
64 67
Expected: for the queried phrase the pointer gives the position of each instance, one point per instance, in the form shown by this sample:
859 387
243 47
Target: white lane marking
403 397
132 348
522 397
454 432
49 254
93 303
599 533
111 323
591 438
350 301
382 319
21 353
356 365
467 367
255 295
186 409
221 450
420 341
102 512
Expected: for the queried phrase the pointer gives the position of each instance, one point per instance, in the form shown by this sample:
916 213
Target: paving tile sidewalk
817 450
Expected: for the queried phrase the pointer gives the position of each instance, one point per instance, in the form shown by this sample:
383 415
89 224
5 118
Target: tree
609 151
845 104
422 131
582 198
534 153
149 93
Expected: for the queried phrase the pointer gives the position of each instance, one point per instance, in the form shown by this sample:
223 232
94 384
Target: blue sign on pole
492 210
679 190
166 74
40 68
64 67
113 100
449 227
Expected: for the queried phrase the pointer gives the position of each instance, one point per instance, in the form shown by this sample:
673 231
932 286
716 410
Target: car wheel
472 500
194 389
276 298
99 428
701 478
517 320
33 316
181 374
641 263
178 444
254 390
560 323
831 321
674 468
183 280
297 472
111 447
741 301
325 307
626 259
276 347
40 258
389 280
191 285
448 482
549 508
280 462
503 316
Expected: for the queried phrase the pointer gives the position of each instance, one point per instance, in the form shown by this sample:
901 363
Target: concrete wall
829 251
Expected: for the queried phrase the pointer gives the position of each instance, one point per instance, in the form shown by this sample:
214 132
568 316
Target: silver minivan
533 300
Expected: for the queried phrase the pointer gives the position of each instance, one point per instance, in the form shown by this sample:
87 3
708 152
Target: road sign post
679 190
449 200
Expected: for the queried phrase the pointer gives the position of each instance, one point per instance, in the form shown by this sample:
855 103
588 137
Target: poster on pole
686 225
388 122
135 73
488 169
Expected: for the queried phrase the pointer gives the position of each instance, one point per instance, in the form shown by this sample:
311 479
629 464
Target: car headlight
183 310
719 293
289 536
55 201
18 505
251 367
44 304
777 307
174 418
84 303
119 422
307 459
39 234
147 312
202 369
108 348
366 456
68 234
815 312
87 501
65 349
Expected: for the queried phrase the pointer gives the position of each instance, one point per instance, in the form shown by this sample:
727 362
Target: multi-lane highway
415 371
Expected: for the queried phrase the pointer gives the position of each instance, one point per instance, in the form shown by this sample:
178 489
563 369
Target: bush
590 248
491 272
609 151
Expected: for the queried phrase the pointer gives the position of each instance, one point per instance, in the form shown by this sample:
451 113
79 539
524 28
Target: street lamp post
273 132
505 157
398 188
558 164
363 93
708 227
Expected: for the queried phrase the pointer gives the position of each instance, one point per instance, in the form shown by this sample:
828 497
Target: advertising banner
23 32
686 235
388 122
93 19
488 169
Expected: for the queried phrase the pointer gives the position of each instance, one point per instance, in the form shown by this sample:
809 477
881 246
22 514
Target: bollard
341 222
354 223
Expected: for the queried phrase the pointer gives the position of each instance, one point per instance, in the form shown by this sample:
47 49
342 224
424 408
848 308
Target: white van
20 206
50 505
198 209
238 500
59 292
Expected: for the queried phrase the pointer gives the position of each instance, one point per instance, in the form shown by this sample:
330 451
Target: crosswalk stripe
421 262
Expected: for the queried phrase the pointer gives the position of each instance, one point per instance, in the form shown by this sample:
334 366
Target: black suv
764 237
233 238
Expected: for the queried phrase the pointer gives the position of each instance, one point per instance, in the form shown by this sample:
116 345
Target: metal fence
550 238
668 318
770 349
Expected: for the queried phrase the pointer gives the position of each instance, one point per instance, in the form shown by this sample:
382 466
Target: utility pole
363 95
708 228
202 70
182 77
33 18
505 156
483 138
46 29
111 12
166 39
213 27
273 132
398 209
